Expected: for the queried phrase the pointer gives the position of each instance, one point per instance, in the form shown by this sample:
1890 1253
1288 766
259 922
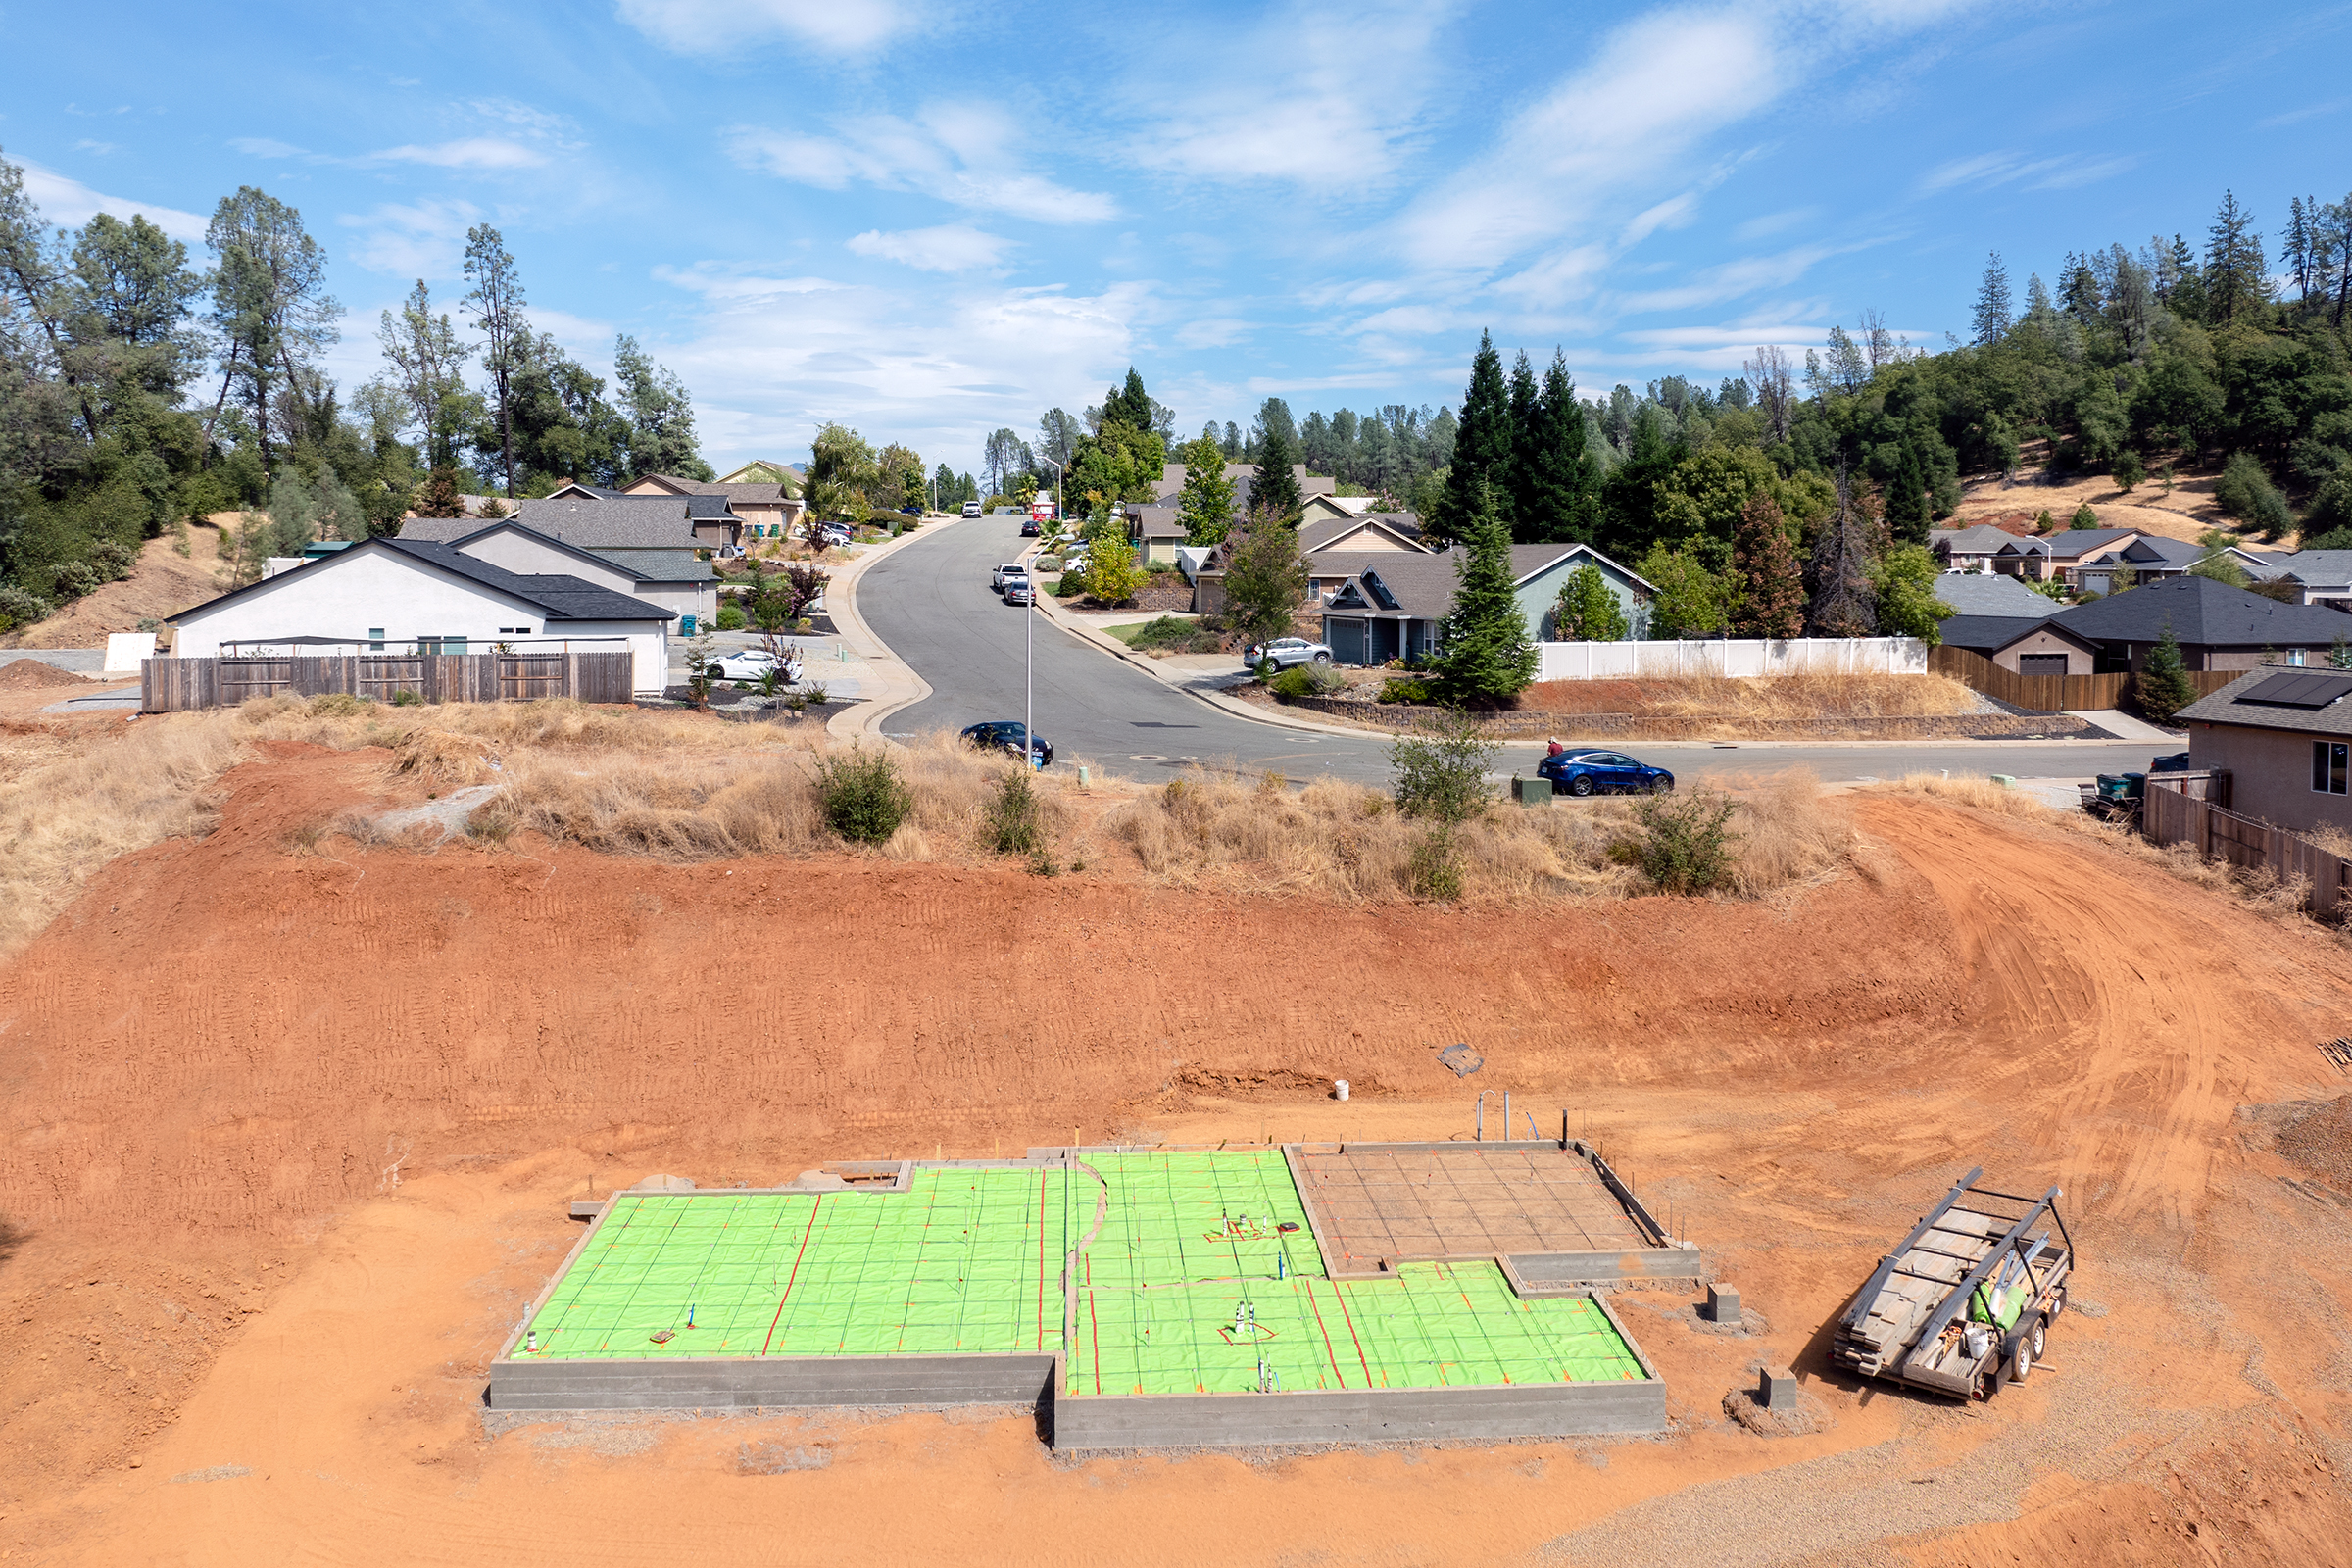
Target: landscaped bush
1176 635
864 798
730 617
1404 689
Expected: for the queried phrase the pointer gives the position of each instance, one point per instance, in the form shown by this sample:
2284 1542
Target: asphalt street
932 603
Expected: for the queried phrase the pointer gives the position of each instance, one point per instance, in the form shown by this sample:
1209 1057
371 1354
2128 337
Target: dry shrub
72 799
1826 697
1339 841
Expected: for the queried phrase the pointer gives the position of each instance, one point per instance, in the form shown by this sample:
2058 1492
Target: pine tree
1274 494
1771 588
1484 653
1844 600
1907 499
1515 499
1129 404
2162 687
2234 269
1562 501
1482 447
1991 318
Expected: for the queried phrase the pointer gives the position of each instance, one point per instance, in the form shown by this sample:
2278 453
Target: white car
752 664
971 509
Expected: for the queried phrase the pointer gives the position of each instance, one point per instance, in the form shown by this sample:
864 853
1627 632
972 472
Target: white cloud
714 282
426 240
1212 333
963 154
1330 97
68 202
1987 171
264 147
718 27
948 248
467 152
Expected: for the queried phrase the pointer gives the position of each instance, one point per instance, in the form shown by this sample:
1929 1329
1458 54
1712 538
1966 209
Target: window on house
2331 760
375 639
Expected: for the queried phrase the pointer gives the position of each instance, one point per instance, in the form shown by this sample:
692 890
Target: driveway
930 602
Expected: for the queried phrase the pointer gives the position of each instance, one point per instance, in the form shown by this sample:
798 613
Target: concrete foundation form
721 1383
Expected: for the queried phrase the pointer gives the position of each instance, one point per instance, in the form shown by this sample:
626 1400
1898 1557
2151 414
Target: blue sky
929 219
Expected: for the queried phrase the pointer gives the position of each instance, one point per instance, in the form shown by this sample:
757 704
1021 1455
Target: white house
397 594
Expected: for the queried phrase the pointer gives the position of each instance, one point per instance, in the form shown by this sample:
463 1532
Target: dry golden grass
73 797
1778 697
1344 842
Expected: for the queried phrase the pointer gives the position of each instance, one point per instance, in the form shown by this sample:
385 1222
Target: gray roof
1422 583
1315 535
1157 522
1980 537
563 596
2204 614
560 596
2227 706
2068 543
2154 550
2318 568
667 567
629 522
1979 593
1990 634
766 493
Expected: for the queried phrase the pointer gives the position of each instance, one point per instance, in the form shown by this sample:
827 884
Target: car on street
971 509
1032 528
1020 591
1287 652
752 664
1005 735
1589 772
1006 573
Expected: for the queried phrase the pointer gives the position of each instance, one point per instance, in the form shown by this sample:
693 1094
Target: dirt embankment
289 1129
162 583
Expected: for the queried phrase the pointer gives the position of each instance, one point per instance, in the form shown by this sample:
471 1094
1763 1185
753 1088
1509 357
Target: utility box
1531 791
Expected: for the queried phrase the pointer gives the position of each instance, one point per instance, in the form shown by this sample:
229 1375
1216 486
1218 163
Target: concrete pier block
1723 1303
1775 1387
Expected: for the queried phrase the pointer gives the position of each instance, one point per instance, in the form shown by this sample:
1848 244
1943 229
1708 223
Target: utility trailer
1965 1304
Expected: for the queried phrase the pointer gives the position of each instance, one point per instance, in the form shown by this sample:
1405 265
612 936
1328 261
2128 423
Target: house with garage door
2024 645
2218 627
1389 606
402 594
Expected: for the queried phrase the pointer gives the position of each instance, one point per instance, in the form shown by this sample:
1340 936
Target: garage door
2042 664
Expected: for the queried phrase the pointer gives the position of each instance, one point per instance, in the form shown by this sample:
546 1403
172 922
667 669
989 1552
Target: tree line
140 391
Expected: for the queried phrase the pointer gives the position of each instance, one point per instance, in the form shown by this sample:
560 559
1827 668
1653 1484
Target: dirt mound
1274 1083
2320 1139
31 674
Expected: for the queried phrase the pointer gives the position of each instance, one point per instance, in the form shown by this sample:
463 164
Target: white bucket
1338 1089
1980 1339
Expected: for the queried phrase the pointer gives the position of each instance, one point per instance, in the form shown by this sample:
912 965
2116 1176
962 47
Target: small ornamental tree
1771 587
2163 687
1111 574
1265 583
1589 610
1206 506
1484 653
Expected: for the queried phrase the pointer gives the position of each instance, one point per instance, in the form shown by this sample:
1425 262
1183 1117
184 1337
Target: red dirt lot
290 1124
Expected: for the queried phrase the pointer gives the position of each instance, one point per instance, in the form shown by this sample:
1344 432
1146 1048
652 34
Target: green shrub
1442 775
1176 634
1404 690
2084 517
404 698
339 705
1014 826
1436 869
864 798
1686 841
730 617
22 606
1293 682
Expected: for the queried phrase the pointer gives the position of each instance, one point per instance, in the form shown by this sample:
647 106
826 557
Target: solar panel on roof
2298 691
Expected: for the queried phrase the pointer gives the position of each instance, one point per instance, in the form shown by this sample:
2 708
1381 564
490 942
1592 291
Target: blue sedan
1582 773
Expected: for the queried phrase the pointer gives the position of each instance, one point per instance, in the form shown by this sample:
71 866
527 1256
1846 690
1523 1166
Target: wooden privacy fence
2053 694
174 685
1732 658
2169 816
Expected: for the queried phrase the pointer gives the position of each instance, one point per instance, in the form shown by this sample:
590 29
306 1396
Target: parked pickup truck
1008 572
1964 1306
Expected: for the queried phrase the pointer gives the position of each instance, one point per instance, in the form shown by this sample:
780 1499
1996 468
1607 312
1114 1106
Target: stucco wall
2078 661
2269 775
527 556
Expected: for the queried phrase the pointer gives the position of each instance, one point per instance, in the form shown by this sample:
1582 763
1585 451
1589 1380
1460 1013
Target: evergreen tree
1482 447
1274 494
1129 404
2162 688
2235 274
1844 601
1561 502
1771 588
1206 506
1483 654
1907 499
1990 322
1587 611
1516 492
2083 518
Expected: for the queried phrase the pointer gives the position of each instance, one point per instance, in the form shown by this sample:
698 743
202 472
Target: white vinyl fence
1796 656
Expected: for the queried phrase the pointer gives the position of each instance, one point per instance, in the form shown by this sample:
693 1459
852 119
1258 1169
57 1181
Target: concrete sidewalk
2124 727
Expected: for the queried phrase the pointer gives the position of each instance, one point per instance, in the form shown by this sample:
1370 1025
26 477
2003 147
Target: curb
865 716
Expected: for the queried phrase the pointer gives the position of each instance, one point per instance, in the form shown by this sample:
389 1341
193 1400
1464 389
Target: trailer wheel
2038 1337
2021 1356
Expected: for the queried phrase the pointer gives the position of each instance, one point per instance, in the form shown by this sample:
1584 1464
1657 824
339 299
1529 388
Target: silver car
1287 652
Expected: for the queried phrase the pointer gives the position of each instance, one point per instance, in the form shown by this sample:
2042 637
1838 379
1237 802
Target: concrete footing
1775 1387
1723 1303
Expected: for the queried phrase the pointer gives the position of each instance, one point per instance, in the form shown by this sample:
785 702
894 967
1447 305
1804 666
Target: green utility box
1531 791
